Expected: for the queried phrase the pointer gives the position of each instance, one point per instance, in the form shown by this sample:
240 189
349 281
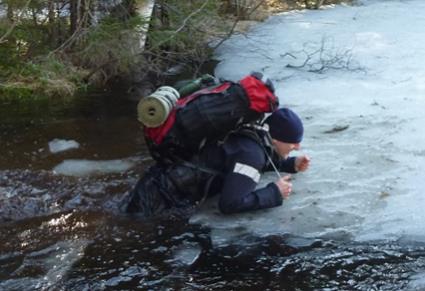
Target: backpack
209 115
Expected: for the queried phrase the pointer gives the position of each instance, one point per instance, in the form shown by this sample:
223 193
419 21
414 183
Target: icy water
62 231
354 221
95 251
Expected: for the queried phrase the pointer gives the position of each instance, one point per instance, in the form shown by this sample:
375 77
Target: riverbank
59 54
42 60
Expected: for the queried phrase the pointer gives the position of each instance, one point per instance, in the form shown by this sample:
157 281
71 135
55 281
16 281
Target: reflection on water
104 127
97 251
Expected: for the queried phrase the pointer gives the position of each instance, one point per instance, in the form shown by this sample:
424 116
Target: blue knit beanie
285 126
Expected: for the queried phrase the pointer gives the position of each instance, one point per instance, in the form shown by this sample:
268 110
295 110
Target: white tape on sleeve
247 170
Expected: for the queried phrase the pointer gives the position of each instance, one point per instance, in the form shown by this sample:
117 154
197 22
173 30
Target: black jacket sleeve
244 160
287 165
283 165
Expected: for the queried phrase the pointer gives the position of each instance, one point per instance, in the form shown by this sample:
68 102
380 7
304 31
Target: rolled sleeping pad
153 110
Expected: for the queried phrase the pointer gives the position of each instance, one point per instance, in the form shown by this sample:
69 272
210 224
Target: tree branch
12 27
184 23
232 29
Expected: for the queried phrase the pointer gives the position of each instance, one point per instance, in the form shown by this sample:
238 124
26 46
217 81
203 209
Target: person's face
283 148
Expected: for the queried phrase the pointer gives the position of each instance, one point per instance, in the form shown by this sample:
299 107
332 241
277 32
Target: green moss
10 91
48 78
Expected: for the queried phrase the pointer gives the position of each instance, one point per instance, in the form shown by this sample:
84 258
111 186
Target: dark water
66 233
106 129
98 251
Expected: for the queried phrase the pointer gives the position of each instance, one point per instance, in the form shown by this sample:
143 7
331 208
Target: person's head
286 130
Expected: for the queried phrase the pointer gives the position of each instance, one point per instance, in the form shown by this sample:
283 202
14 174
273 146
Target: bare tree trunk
78 14
61 33
144 10
92 11
10 12
73 14
51 13
163 14
131 6
53 29
83 15
34 16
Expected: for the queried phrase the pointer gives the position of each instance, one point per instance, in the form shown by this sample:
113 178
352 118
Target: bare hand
302 163
285 186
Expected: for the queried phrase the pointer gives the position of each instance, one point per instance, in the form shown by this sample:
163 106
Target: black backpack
208 115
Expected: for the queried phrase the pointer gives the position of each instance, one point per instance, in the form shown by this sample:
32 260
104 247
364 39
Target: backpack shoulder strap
209 90
260 133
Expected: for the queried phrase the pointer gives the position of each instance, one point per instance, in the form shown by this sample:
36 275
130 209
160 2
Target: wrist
276 191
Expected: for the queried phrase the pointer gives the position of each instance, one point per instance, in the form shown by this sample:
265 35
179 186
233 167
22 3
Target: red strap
157 134
185 100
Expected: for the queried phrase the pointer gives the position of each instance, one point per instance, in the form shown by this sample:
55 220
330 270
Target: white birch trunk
145 10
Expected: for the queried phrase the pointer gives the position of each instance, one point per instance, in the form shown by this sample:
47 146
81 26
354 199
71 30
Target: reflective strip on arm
248 171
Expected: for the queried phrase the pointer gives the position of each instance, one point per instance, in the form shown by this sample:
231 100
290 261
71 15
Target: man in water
230 169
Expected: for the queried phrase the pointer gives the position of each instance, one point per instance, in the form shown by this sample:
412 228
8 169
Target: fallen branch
319 60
